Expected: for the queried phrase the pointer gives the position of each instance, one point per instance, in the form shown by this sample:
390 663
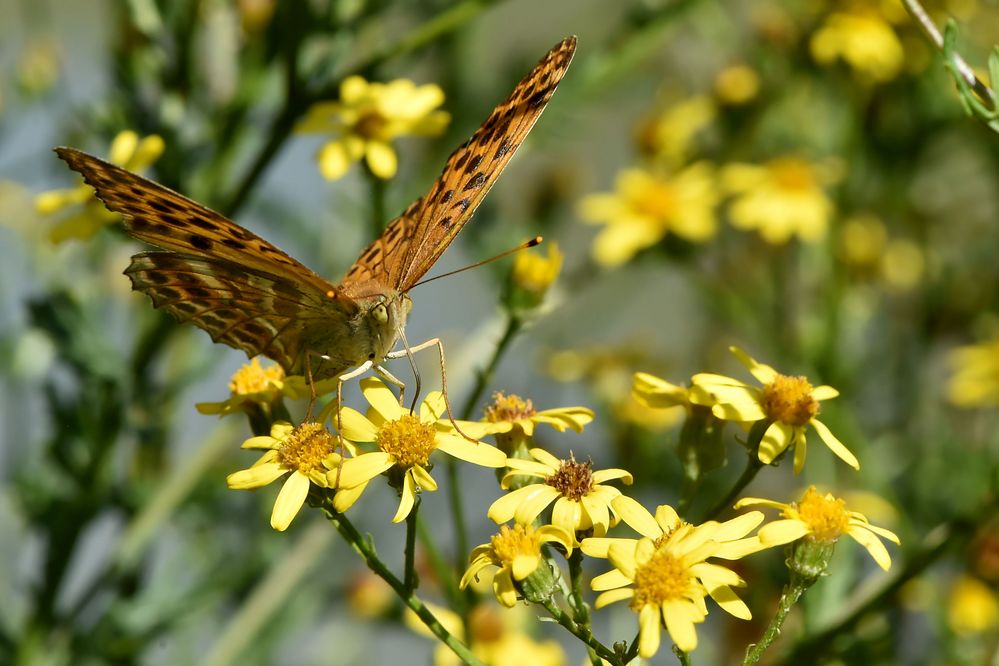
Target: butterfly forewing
414 241
217 275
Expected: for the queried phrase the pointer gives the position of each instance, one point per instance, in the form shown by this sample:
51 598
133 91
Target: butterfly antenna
534 242
412 364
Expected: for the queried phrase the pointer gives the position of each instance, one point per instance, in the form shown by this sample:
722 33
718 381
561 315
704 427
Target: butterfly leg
440 353
356 372
383 372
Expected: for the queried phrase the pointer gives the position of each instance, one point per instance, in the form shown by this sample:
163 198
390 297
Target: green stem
753 466
788 598
581 632
377 202
580 611
409 577
485 376
442 569
682 656
366 550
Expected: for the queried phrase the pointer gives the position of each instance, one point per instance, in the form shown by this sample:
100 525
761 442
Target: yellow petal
334 160
423 479
355 426
763 373
255 477
261 442
824 392
406 500
775 440
381 159
636 516
835 445
524 565
345 497
648 631
123 147
612 579
568 515
355 471
873 545
381 399
679 624
503 588
479 454
611 596
289 501
782 531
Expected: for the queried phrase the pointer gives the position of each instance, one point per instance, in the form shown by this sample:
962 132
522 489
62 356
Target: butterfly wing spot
463 204
473 163
445 221
234 244
477 181
200 242
447 196
503 149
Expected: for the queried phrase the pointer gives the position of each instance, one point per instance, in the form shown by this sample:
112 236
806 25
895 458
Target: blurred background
799 179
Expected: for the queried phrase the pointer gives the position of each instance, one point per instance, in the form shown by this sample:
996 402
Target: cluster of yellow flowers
563 504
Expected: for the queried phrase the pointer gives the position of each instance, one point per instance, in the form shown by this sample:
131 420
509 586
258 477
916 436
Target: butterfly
248 294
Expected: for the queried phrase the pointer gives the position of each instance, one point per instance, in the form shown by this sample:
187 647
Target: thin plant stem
366 550
753 466
377 202
580 611
581 632
789 597
442 569
409 577
682 656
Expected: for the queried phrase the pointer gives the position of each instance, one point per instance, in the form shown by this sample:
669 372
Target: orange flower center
485 624
789 400
370 125
306 447
573 480
663 578
509 408
516 541
791 173
658 200
252 378
409 441
825 515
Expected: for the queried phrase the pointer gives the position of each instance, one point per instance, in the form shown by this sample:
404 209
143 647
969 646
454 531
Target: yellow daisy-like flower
511 414
822 519
975 378
85 215
404 444
646 206
972 608
782 198
251 384
863 39
667 584
582 501
517 552
670 134
531 276
737 84
788 404
368 117
661 527
304 454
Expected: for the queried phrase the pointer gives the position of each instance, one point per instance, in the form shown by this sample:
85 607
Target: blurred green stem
789 597
580 611
365 548
377 202
409 575
753 466
582 633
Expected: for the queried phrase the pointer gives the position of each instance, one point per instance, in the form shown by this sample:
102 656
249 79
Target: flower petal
407 498
636 516
782 531
355 426
423 479
504 589
381 399
524 565
534 497
289 501
868 540
763 373
835 445
648 631
256 476
775 440
381 159
611 596
361 469
566 514
479 453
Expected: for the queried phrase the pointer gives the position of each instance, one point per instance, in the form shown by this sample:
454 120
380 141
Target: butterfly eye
380 313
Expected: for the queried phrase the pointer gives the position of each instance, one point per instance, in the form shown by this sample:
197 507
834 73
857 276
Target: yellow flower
517 551
581 500
38 66
821 519
252 384
975 378
531 276
368 117
862 241
86 215
863 39
511 414
667 583
788 404
304 454
973 607
404 443
670 134
782 198
646 206
661 527
737 84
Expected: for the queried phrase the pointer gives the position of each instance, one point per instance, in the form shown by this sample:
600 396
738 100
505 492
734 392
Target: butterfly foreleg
383 372
434 342
346 377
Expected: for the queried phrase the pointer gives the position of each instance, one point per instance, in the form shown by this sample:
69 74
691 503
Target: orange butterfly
250 295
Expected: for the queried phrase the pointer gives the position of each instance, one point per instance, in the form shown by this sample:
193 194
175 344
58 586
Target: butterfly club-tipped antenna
534 242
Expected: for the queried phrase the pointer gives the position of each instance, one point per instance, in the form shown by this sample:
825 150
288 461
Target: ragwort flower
251 384
782 198
788 404
404 443
975 378
582 501
667 582
646 206
85 214
517 551
821 519
862 38
368 117
513 416
304 454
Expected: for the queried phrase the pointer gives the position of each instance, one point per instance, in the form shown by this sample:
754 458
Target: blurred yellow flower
304 454
788 405
902 264
974 381
531 276
38 66
737 84
646 206
85 214
404 442
517 551
670 134
973 607
861 37
781 198
252 383
368 117
862 241
821 519
509 412
582 501
666 582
